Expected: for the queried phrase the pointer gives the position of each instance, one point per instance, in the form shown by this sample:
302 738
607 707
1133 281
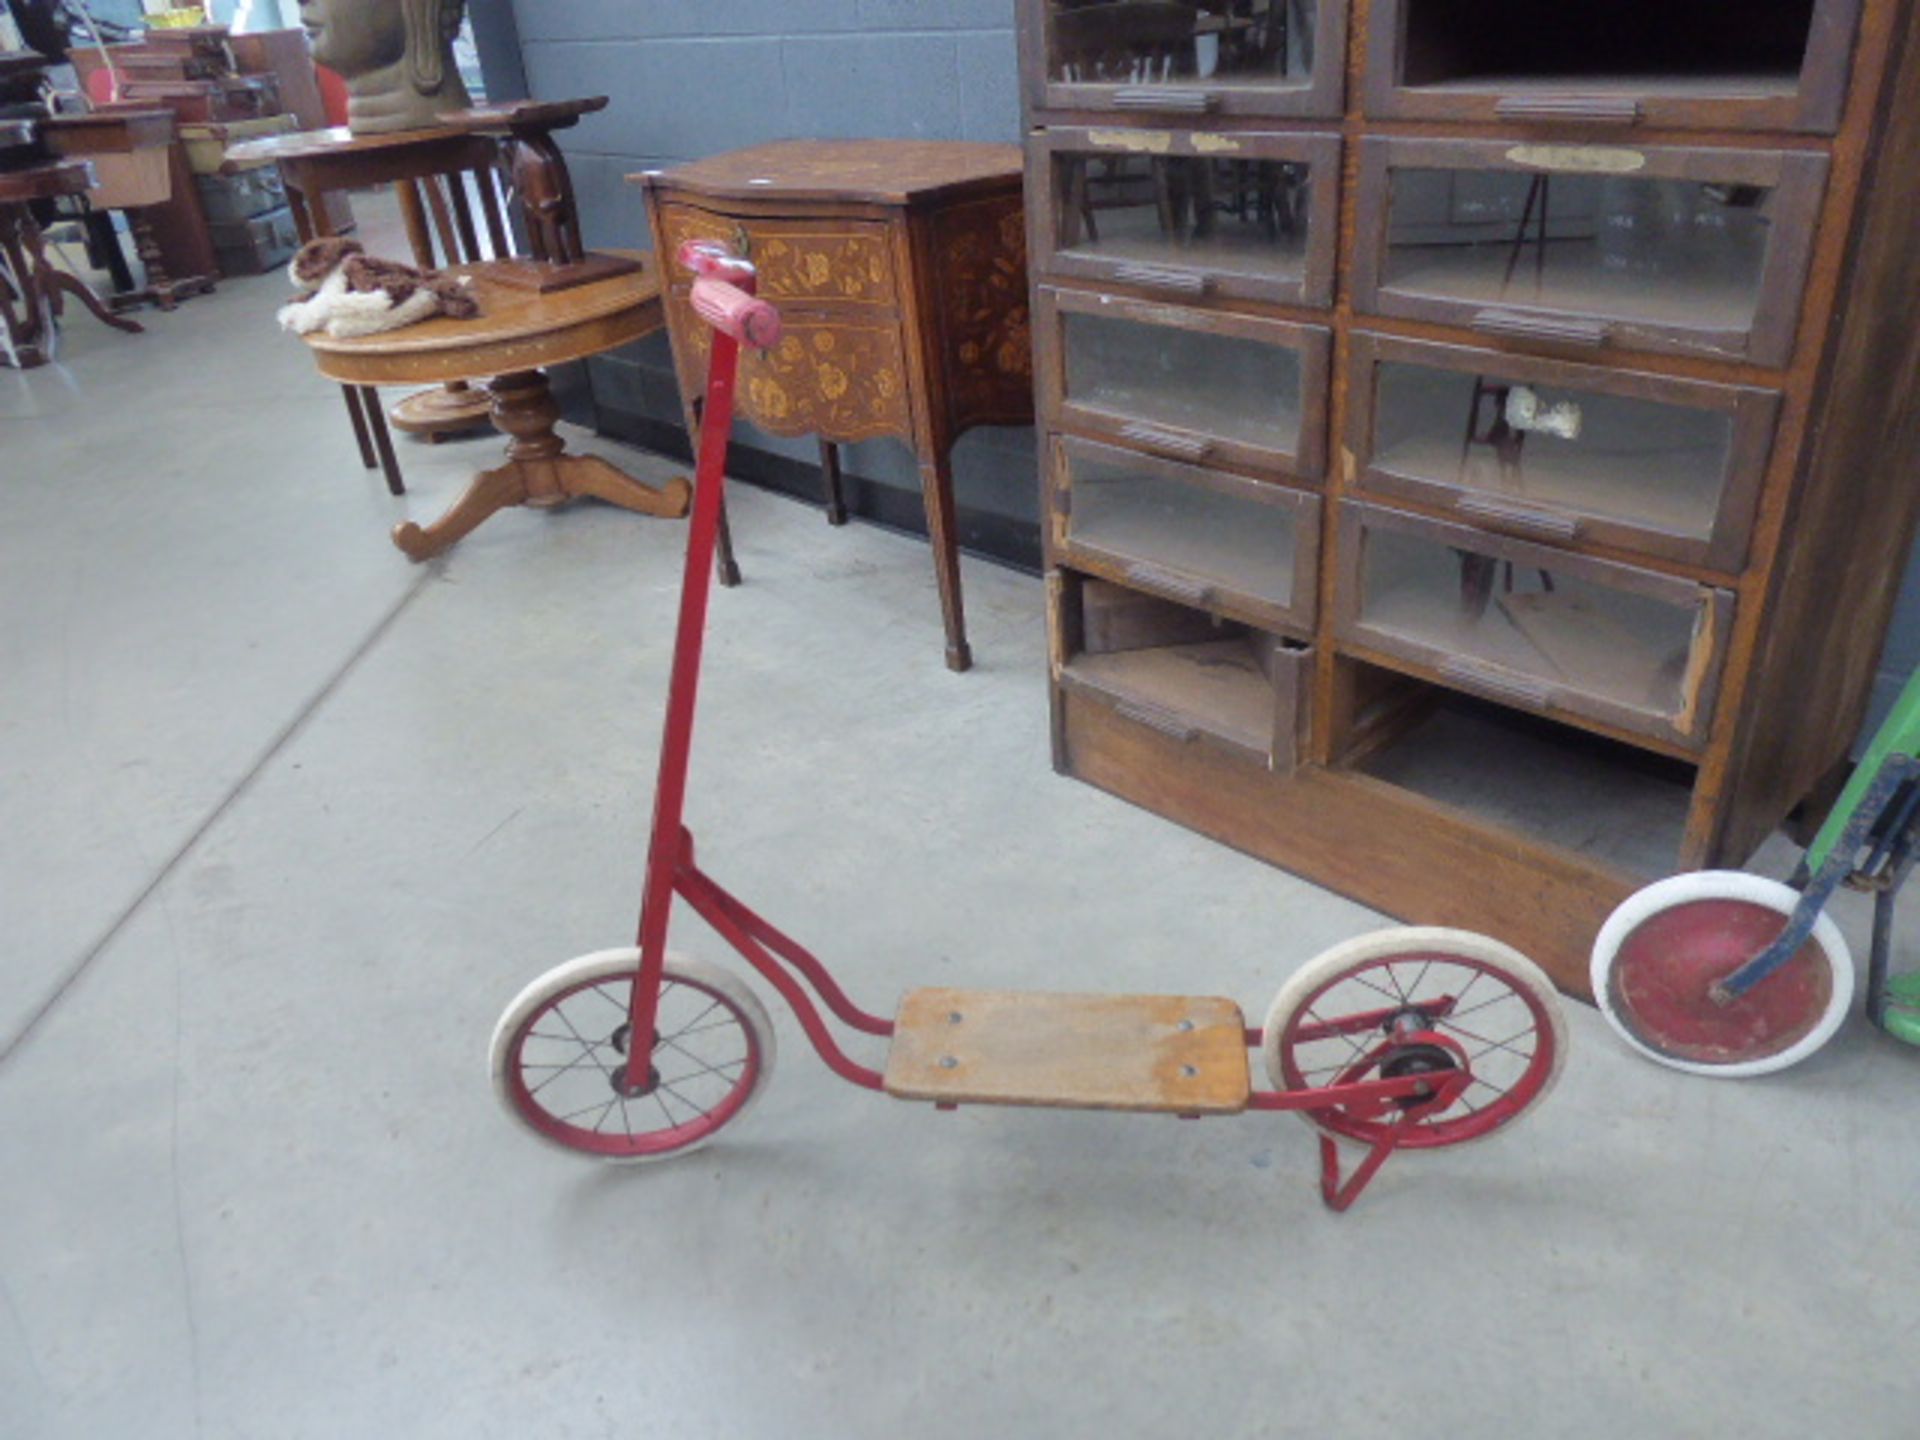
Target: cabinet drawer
845 261
1543 449
1183 674
1239 547
1761 64
840 373
1193 384
1265 57
1586 246
1250 216
1533 627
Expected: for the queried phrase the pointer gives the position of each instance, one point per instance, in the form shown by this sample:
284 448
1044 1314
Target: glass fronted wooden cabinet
1519 400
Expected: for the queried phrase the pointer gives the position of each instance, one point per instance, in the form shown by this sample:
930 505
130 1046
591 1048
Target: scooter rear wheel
1470 990
1660 953
558 1057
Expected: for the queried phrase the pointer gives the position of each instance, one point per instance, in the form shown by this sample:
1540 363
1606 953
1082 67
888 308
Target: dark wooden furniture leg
161 290
830 479
383 442
351 394
936 484
539 472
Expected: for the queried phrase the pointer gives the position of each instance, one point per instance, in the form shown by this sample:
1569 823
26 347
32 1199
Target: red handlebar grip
713 260
730 310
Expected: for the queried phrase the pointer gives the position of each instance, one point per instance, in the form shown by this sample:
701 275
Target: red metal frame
723 295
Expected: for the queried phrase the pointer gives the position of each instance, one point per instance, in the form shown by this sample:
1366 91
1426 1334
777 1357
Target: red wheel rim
566 1054
1661 974
1502 1024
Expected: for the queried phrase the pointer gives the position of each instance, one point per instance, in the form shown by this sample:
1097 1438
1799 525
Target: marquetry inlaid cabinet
899 268
1478 439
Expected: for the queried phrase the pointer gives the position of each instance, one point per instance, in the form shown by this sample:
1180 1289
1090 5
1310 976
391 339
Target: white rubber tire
608 965
1644 904
1379 945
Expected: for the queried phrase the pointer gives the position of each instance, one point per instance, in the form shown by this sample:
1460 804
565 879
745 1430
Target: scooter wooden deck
1181 1054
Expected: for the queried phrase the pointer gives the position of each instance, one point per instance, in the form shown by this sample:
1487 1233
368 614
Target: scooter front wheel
1493 1011
559 1057
1659 955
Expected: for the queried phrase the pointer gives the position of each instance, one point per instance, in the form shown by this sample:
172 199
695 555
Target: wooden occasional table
32 290
314 163
517 332
900 268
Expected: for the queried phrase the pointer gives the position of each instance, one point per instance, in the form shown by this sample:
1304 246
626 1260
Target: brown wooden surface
1175 1054
1376 843
1805 558
45 182
905 303
109 132
868 172
515 330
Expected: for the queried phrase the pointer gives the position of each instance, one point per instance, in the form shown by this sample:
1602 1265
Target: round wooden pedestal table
517 333
32 288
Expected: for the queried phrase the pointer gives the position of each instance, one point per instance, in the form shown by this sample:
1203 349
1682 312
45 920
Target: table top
882 172
318 144
516 329
118 131
478 120
43 182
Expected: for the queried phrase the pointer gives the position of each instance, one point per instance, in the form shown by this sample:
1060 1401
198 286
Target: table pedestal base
456 408
539 472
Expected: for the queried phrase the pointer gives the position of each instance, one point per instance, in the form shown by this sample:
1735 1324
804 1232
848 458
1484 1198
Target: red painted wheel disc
1665 968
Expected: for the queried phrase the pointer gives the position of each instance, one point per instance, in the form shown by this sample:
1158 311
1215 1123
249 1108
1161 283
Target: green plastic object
1901 1018
1899 734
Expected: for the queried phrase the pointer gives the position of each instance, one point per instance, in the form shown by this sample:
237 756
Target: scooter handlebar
732 311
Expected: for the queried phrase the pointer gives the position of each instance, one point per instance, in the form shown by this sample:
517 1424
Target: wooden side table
315 163
900 269
517 333
32 290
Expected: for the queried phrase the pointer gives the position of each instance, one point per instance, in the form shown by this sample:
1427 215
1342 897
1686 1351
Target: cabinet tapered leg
830 482
936 484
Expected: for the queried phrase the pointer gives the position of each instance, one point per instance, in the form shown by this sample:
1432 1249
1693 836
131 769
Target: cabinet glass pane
1223 44
1619 646
1706 49
1141 514
1639 462
1221 385
1680 253
1241 216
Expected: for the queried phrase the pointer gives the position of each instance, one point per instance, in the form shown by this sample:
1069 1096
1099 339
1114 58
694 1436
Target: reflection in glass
1219 43
1641 462
1248 216
1138 514
1684 253
1614 644
1219 385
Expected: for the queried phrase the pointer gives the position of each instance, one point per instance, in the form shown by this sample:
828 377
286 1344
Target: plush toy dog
346 291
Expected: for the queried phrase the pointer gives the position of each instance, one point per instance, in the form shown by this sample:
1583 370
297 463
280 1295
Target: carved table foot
539 473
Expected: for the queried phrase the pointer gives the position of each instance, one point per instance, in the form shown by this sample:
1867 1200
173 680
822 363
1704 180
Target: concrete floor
289 820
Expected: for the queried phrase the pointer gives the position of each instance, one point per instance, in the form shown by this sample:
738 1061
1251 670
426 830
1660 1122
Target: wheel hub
1419 1058
617 1076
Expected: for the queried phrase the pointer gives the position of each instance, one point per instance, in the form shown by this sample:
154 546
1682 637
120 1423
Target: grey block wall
690 79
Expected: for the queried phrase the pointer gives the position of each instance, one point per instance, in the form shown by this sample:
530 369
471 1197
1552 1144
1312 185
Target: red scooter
1404 1039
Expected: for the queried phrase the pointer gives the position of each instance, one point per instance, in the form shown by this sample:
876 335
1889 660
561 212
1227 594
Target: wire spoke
573 1064
601 991
699 1111
1393 979
707 1066
1360 979
1359 1050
